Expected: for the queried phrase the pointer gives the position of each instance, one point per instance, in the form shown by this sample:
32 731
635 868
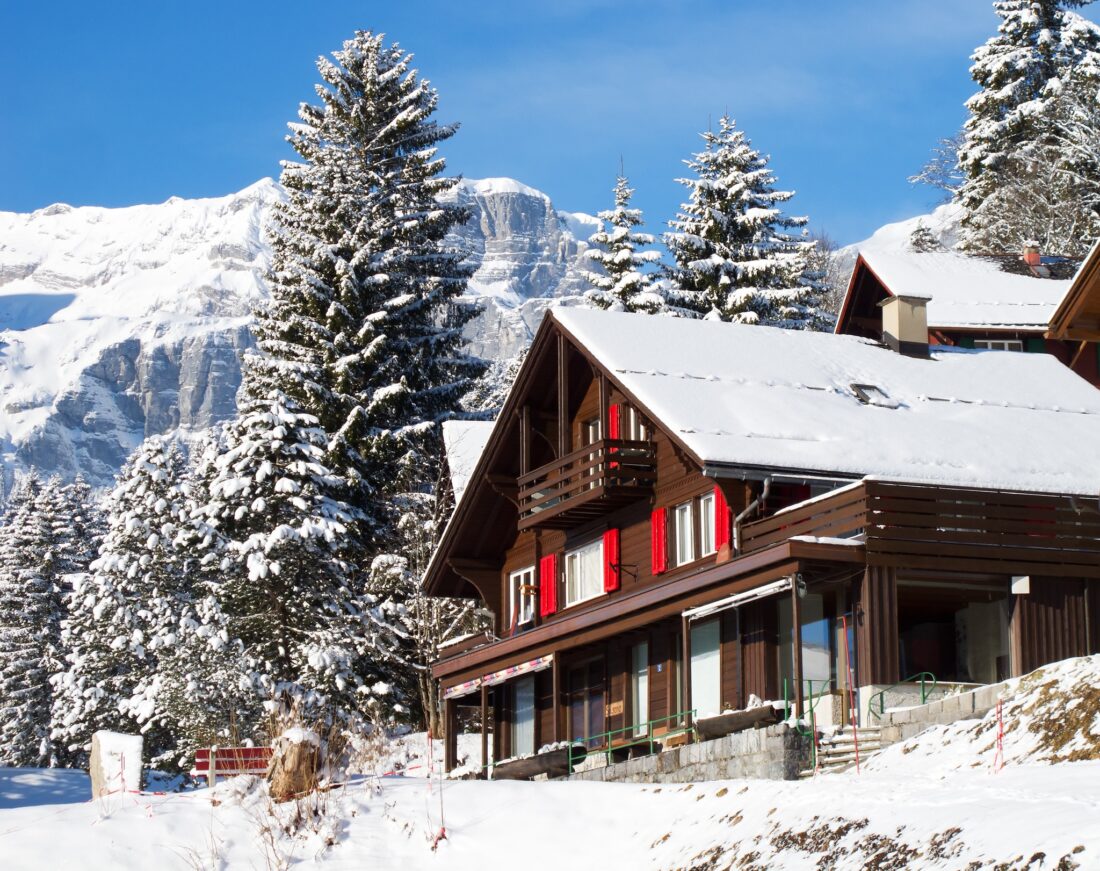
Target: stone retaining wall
772 753
903 725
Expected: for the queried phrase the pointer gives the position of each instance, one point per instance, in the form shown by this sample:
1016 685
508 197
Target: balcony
586 484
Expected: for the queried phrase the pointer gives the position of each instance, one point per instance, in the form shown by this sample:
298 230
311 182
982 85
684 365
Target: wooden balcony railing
842 515
932 527
586 483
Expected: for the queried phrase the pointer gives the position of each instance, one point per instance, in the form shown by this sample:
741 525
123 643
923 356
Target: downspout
752 506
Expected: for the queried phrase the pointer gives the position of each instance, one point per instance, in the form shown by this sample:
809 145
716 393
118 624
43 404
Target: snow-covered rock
116 324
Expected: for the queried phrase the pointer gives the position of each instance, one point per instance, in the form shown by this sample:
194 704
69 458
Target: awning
499 677
462 689
736 601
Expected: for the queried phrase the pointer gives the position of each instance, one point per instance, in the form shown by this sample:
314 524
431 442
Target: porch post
685 669
484 731
450 735
796 625
555 681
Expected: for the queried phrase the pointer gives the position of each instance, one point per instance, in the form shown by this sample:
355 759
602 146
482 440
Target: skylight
871 394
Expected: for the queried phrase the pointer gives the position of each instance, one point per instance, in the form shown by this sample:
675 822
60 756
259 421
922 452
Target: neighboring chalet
1002 303
672 516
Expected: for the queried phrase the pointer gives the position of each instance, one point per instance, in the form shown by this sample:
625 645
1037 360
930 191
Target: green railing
638 735
927 687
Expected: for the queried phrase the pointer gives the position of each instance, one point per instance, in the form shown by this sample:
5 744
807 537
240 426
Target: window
706 684
521 596
586 702
872 394
633 428
683 528
706 525
639 686
523 717
999 344
584 573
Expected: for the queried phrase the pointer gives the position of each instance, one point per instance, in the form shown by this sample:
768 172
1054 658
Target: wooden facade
578 463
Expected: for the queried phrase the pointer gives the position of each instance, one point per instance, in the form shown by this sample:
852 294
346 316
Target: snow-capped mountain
116 324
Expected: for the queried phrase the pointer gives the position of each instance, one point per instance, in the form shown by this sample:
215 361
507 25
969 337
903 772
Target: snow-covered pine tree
117 607
364 327
1017 171
922 240
622 283
287 582
734 257
31 608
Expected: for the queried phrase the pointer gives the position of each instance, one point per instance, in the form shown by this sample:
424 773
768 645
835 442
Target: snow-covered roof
778 399
969 292
464 441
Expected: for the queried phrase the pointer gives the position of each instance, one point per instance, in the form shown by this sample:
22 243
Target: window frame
678 539
527 603
594 547
1017 345
708 532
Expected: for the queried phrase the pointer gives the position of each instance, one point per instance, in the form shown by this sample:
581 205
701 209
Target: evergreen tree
734 257
922 240
1020 180
622 285
287 585
118 606
30 622
364 327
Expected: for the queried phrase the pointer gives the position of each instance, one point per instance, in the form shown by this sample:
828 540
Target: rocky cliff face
116 324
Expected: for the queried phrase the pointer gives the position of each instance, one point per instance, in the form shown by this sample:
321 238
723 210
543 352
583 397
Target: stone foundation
773 753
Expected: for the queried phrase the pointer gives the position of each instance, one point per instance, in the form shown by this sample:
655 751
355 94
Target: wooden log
555 763
710 728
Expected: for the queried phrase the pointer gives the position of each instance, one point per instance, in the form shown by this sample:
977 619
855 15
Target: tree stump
295 765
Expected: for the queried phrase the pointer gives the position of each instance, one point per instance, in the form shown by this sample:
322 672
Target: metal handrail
925 692
648 740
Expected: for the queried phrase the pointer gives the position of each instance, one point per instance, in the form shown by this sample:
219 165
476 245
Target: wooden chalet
1022 302
673 516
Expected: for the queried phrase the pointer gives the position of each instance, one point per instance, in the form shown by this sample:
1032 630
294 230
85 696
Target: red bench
217 762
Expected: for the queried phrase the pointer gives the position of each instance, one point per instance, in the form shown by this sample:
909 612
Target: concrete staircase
837 752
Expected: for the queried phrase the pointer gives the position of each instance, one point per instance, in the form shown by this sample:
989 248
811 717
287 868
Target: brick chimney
905 324
1031 253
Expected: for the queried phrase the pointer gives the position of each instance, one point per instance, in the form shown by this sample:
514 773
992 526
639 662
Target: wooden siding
759 649
730 662
1049 623
877 627
844 514
980 531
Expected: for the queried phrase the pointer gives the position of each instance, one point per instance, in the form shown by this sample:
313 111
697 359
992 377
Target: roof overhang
1078 315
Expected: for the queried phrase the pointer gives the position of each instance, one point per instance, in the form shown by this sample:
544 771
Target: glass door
586 702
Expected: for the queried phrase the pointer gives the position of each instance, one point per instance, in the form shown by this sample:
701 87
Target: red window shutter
721 519
614 421
612 571
658 540
548 584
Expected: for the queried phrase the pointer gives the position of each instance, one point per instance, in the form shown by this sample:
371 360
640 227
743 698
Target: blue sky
123 102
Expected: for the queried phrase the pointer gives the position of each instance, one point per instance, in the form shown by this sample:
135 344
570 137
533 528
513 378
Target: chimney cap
911 298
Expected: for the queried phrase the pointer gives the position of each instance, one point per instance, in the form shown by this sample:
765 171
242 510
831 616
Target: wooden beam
605 404
1077 356
525 439
564 439
484 731
796 625
685 669
450 734
506 486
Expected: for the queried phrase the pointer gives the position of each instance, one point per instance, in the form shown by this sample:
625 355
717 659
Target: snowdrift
942 800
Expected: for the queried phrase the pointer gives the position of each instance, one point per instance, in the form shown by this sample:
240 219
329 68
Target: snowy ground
940 801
